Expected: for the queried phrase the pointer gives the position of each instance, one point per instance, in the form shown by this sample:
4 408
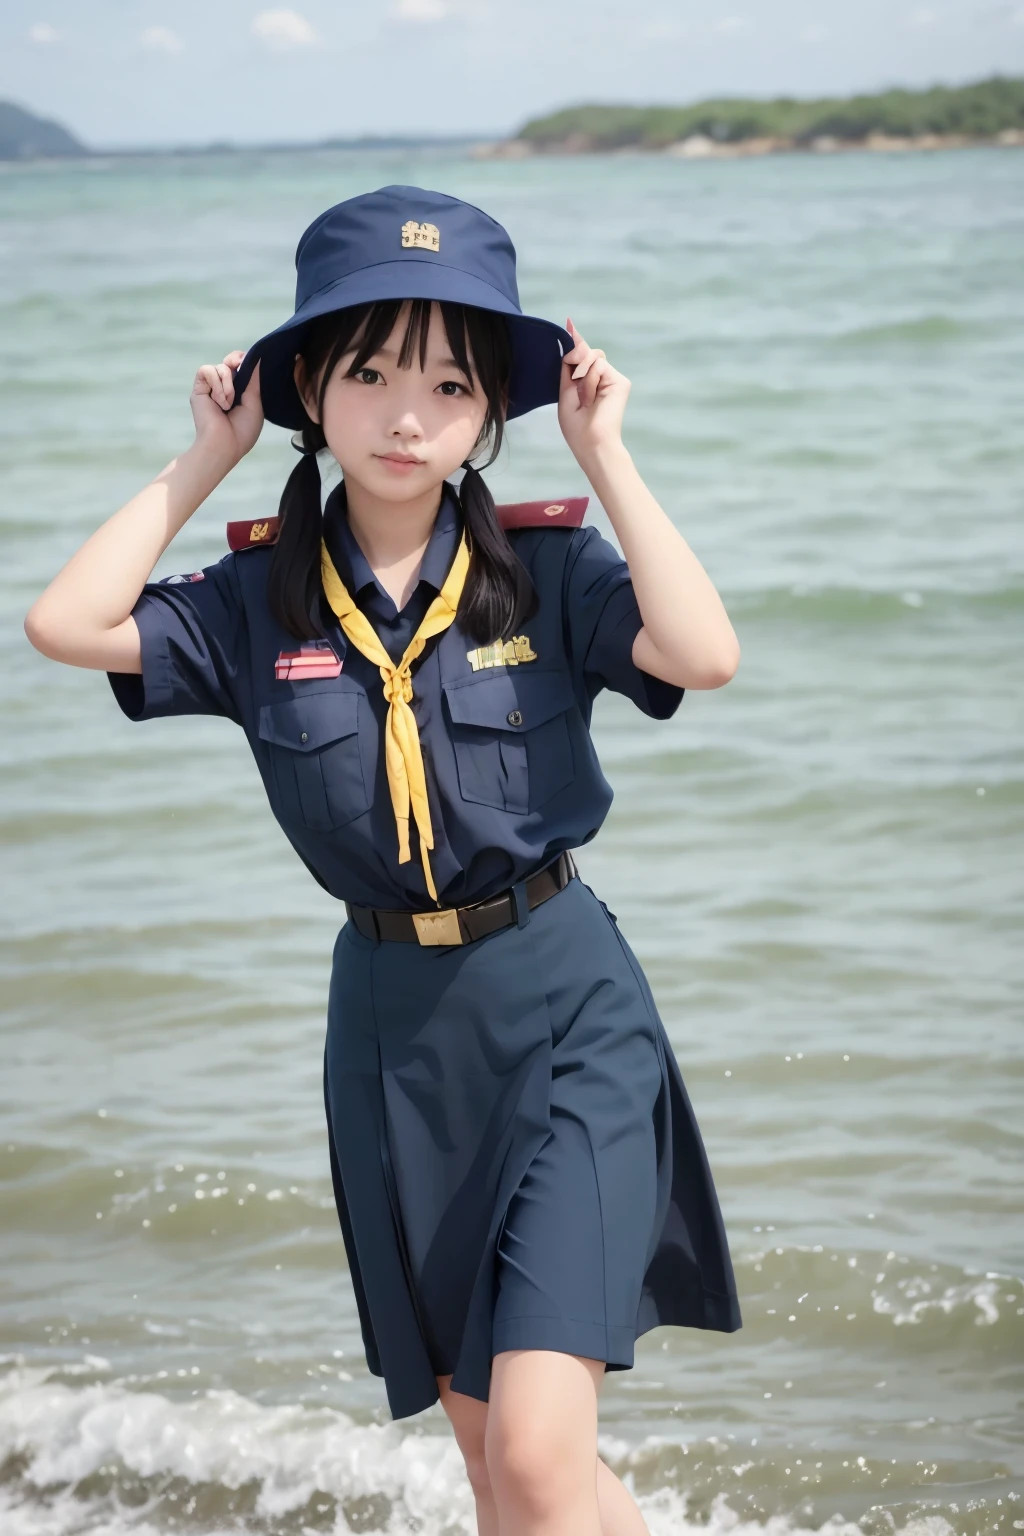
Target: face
398 432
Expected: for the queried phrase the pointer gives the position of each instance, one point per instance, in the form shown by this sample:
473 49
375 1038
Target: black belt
461 925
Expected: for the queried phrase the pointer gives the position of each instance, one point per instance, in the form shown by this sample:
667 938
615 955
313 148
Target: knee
476 1468
529 1468
469 1421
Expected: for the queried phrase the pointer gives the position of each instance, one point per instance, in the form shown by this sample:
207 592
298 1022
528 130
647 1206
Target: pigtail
499 594
293 583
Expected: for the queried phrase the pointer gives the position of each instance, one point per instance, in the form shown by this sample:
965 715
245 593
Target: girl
520 1182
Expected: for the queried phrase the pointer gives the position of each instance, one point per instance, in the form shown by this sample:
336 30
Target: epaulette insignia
544 514
250 535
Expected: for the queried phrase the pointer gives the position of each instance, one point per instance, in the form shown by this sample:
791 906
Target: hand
226 433
591 399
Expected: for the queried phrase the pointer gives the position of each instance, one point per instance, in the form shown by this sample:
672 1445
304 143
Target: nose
405 401
405 422
407 427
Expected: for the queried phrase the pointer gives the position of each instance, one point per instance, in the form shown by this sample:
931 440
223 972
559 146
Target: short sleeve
603 619
190 628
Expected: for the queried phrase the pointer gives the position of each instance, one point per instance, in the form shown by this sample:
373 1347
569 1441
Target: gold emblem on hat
509 654
258 531
555 508
420 237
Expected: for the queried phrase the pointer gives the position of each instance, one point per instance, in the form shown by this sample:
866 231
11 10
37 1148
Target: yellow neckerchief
403 756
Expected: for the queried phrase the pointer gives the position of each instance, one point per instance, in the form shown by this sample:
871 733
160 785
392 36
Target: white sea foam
289 1452
917 1296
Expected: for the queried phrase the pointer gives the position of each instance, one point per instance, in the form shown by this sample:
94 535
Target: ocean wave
927 330
102 1458
865 607
882 1306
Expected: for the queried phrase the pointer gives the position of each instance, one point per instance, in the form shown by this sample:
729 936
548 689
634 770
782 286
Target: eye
453 387
368 376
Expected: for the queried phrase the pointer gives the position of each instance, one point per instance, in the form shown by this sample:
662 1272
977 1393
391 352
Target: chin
403 485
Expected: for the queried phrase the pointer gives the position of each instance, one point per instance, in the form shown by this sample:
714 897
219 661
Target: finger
565 381
589 387
583 367
209 377
204 380
234 358
613 376
579 347
227 384
587 391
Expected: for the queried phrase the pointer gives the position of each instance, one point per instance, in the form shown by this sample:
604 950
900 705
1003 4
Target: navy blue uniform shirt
512 774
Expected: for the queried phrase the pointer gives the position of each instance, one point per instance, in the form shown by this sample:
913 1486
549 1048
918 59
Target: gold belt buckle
438 927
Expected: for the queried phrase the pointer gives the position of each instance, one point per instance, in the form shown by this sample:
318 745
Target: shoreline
698 146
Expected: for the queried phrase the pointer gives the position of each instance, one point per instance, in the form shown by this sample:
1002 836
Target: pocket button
514 717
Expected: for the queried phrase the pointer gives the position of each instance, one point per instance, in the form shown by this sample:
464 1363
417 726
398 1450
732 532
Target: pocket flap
491 698
309 721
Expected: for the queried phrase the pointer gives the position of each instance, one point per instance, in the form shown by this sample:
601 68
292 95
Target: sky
157 72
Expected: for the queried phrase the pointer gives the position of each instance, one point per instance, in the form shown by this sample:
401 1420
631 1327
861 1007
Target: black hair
499 594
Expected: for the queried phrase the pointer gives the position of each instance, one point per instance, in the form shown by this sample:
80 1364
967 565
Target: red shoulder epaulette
250 535
544 514
519 514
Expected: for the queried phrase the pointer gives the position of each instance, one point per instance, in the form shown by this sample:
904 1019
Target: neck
391 531
393 535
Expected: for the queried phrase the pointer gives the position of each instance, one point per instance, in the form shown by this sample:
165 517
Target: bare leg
618 1513
468 1417
541 1442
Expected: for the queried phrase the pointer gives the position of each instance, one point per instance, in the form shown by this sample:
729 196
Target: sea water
819 865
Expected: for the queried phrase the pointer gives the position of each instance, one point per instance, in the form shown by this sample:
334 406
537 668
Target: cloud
730 24
813 34
43 33
283 29
922 17
423 10
160 40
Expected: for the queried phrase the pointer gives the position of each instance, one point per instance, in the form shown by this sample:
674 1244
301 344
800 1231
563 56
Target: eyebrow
391 354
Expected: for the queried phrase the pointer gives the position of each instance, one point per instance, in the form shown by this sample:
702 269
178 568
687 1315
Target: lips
399 458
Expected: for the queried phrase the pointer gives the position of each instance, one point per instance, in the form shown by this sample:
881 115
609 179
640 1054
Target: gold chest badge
507 654
421 237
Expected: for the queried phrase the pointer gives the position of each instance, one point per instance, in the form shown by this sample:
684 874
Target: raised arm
686 638
84 616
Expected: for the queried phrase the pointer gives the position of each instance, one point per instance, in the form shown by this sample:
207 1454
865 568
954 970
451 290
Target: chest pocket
511 737
314 749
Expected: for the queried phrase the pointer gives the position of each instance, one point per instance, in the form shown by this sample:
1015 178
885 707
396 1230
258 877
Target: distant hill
23 136
983 111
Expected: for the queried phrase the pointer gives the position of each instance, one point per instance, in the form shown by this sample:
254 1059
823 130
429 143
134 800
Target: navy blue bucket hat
405 243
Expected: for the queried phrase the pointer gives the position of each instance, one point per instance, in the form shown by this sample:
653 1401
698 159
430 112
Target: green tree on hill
979 111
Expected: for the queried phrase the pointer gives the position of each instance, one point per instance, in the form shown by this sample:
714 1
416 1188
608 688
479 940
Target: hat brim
537 345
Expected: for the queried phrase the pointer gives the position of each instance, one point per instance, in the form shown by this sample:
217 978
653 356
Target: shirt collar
352 564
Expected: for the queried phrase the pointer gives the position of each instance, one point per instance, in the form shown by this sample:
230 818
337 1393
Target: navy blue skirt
515 1161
